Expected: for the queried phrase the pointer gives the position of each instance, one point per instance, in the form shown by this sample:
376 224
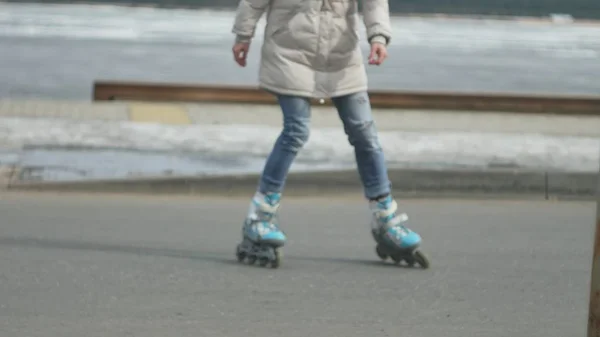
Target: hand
240 52
378 53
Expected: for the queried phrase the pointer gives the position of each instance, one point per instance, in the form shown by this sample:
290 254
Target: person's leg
356 115
296 129
260 221
355 112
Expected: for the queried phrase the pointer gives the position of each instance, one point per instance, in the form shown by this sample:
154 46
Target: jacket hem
348 91
302 93
279 91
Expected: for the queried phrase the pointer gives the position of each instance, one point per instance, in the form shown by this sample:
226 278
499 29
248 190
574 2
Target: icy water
57 51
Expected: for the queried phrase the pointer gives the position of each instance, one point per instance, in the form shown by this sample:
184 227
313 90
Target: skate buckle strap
394 220
386 209
265 207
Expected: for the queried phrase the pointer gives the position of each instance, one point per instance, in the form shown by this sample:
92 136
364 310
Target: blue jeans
355 113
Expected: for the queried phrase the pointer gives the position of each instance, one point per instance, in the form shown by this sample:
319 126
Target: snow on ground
98 149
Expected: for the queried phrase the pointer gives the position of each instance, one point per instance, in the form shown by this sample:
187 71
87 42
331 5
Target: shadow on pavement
45 243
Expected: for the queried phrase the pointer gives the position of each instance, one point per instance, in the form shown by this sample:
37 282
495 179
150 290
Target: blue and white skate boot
393 238
260 232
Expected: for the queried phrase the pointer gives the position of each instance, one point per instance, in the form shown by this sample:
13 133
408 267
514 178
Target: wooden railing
573 105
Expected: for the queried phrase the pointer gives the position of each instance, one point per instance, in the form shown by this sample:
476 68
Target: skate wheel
251 259
275 263
397 258
382 255
263 261
239 253
410 261
421 259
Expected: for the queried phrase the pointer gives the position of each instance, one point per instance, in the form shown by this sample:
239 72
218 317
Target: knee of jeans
363 135
295 135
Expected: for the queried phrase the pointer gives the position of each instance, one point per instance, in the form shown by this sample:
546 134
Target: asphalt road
140 266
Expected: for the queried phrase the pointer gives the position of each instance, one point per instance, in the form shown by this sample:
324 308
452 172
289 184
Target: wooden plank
594 299
132 91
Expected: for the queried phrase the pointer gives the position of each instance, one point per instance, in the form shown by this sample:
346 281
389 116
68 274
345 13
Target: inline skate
261 236
394 240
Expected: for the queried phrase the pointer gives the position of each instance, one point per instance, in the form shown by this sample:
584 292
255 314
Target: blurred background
509 257
53 52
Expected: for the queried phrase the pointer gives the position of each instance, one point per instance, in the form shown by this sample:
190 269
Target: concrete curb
407 183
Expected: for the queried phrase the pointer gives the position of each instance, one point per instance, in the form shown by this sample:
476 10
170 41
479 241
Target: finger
375 55
243 56
235 53
372 55
239 55
382 56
